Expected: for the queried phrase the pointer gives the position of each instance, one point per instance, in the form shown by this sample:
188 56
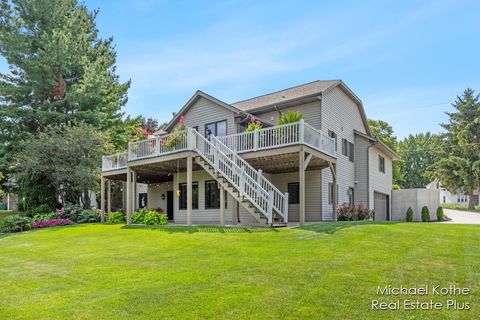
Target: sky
406 60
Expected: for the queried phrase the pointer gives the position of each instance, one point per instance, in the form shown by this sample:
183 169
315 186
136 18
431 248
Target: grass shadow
332 227
199 229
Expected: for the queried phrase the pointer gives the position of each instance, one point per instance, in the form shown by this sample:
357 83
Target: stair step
278 225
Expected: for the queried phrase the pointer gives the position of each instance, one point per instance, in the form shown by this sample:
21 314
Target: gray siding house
215 173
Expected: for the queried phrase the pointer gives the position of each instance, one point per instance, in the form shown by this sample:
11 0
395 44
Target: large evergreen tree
459 165
61 71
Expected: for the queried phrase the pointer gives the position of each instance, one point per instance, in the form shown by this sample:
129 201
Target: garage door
381 206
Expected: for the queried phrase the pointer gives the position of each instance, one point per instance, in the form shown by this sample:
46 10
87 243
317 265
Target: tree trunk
86 199
471 201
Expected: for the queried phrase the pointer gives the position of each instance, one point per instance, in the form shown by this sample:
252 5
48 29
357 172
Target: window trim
381 163
194 183
216 128
290 198
332 134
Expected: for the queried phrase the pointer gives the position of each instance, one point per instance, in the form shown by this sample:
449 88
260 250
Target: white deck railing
157 146
280 200
114 161
280 136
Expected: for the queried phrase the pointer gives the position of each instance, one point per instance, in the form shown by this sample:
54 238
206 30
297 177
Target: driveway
463 217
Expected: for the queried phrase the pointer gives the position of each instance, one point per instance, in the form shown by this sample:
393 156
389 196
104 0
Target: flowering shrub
253 125
353 213
140 134
75 213
175 136
51 223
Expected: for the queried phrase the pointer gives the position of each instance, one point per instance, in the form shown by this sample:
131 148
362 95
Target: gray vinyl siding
361 170
200 215
313 194
341 115
311 112
204 111
379 182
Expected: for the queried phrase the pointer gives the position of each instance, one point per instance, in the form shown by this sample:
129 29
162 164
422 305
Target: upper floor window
333 135
348 149
218 128
381 164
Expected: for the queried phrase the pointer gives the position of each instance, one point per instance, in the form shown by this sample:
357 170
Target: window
351 196
443 199
330 192
333 135
212 195
182 204
458 199
381 164
293 193
348 149
218 129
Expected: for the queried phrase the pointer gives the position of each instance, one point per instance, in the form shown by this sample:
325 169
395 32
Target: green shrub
45 216
15 223
43 208
396 187
289 117
440 215
88 216
117 217
409 214
155 218
138 217
425 214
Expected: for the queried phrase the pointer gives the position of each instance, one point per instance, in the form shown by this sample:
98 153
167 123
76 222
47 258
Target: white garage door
380 206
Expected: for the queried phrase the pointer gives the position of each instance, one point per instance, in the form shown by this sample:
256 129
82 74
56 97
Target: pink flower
258 122
252 119
182 119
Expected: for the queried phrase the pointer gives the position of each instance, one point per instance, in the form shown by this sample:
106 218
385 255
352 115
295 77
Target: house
213 172
451 197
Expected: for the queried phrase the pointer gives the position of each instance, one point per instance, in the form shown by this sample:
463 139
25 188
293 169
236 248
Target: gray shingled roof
303 90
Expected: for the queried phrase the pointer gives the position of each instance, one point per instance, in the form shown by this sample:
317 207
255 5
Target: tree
419 154
459 165
61 72
150 124
66 159
383 131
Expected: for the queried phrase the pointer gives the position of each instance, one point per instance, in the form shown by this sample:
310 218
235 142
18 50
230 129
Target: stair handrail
280 200
246 185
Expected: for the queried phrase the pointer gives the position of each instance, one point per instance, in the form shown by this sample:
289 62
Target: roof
386 149
284 95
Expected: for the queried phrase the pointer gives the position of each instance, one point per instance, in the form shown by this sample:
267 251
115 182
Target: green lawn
323 271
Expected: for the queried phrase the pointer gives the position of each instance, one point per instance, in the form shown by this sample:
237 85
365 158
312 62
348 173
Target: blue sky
406 60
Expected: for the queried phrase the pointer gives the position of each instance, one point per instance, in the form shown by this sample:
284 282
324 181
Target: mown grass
323 271
462 207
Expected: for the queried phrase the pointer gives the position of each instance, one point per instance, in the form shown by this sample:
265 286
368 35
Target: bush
353 213
88 216
45 216
409 214
440 215
52 223
155 218
138 217
15 223
425 214
117 217
41 209
396 187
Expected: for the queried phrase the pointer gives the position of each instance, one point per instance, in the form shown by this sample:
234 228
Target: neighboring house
216 173
450 197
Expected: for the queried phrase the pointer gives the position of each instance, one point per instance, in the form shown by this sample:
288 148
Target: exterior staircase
243 182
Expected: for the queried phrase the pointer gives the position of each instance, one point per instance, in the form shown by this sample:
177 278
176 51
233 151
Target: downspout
368 170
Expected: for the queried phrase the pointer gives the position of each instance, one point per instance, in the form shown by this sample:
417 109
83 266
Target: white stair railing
280 200
234 174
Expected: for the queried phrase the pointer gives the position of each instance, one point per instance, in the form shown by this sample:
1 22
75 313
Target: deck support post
129 196
222 206
102 199
333 169
109 196
301 183
189 191
234 212
134 194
